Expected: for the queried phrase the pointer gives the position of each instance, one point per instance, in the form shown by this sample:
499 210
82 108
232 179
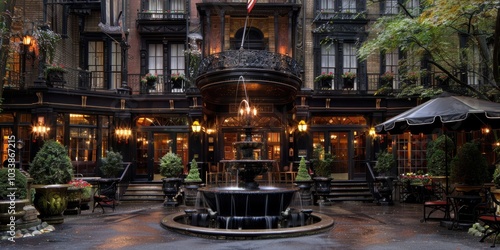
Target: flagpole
244 32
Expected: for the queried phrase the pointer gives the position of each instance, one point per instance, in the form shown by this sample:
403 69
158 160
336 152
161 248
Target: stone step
144 192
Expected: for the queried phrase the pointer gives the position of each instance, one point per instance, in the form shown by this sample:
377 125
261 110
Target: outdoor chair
491 219
436 201
105 196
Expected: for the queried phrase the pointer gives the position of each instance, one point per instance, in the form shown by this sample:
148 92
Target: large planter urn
191 193
10 209
170 189
322 186
305 192
51 201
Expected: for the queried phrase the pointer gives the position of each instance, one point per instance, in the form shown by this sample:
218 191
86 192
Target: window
473 66
391 7
116 66
348 6
96 63
328 59
177 6
350 61
155 64
391 64
413 7
327 5
177 60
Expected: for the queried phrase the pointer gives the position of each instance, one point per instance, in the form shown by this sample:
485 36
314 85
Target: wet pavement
357 226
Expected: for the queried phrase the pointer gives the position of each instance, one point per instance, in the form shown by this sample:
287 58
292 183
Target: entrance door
162 144
339 147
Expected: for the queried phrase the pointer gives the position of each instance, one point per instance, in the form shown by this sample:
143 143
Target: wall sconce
27 40
40 130
196 127
302 126
485 130
372 132
123 133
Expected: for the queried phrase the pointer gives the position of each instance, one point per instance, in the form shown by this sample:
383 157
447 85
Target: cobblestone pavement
357 226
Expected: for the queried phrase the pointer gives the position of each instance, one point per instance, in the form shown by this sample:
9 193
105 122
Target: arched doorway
254 39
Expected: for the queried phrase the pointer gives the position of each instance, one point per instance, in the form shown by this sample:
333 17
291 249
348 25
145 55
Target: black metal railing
232 59
240 1
161 15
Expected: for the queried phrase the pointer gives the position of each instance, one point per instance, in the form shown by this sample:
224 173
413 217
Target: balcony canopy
269 77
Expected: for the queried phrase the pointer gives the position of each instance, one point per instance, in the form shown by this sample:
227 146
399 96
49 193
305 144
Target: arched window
254 39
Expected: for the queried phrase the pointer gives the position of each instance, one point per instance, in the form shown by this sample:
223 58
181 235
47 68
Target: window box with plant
387 78
349 78
324 80
150 79
177 80
54 73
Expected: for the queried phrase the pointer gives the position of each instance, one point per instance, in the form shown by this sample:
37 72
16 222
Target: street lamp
196 127
302 126
19 146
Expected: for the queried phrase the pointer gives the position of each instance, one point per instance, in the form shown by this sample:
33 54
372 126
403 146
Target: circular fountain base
175 222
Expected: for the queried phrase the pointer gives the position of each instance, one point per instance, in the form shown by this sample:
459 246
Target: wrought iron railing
232 59
161 15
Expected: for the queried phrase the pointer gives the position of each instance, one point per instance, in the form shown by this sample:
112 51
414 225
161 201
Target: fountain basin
175 222
235 201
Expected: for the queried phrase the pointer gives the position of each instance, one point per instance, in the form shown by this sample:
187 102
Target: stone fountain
247 210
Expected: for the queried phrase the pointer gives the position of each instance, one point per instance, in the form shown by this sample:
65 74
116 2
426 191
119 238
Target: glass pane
182 148
229 139
142 153
339 147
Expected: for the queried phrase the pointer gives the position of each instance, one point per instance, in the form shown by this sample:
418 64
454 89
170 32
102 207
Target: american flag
250 4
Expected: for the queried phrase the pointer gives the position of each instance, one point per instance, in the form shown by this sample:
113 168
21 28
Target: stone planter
7 210
51 201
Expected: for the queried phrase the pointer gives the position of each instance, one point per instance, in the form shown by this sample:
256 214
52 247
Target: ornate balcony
269 77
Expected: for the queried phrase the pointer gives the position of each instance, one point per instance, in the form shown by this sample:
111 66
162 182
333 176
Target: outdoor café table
463 208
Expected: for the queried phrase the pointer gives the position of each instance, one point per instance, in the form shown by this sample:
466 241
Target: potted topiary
12 178
322 164
385 163
171 167
191 184
51 170
437 159
383 167
304 182
469 168
112 164
111 167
